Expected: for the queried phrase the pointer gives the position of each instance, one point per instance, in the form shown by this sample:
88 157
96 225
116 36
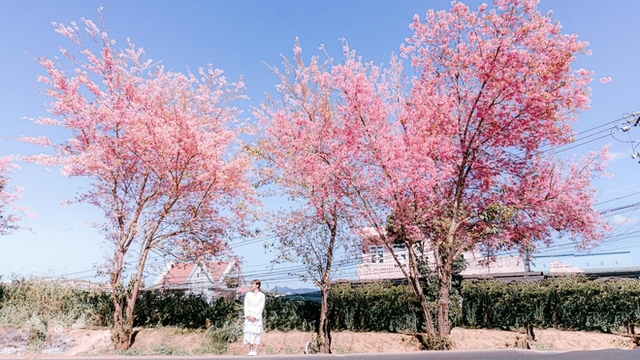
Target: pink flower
605 80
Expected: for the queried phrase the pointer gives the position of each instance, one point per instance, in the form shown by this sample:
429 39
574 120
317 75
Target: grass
217 340
31 302
163 349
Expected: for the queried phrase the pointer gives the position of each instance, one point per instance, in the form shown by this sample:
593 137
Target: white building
211 279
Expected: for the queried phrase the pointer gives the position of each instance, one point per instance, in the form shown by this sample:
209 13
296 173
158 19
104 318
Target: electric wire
582 138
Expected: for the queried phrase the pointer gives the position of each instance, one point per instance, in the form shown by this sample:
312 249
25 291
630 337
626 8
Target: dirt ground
173 341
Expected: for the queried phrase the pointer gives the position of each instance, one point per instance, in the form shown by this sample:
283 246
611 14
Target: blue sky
239 37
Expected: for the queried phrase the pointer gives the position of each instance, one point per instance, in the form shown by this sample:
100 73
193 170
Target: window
400 251
377 254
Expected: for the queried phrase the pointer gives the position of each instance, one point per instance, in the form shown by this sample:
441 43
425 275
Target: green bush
574 303
101 304
381 307
26 302
216 339
285 314
224 312
170 309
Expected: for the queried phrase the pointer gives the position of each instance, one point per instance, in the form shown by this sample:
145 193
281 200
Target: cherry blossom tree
496 86
162 152
317 142
461 153
302 166
9 212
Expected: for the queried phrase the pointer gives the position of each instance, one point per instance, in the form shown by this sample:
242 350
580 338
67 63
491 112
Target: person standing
253 307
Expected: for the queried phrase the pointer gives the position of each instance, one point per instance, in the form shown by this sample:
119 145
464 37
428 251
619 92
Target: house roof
630 272
179 274
217 270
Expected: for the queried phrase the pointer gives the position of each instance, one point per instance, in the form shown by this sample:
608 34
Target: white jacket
253 304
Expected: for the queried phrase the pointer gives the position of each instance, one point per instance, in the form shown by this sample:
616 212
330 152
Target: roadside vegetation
40 308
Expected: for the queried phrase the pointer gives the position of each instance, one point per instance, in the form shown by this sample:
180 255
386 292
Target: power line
582 138
618 198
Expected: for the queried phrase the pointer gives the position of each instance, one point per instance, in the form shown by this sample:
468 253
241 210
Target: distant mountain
284 290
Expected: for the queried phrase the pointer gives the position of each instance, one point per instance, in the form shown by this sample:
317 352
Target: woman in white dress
253 307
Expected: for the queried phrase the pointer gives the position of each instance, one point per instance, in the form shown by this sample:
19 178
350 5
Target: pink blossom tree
300 160
456 152
497 85
162 152
9 212
320 137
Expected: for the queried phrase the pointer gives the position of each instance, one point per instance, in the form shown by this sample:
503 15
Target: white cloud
617 155
620 220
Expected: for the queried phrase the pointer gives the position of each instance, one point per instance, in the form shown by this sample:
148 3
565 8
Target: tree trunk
414 280
324 335
426 314
124 300
122 333
444 278
119 335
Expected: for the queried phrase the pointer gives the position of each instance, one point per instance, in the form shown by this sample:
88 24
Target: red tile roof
178 274
216 269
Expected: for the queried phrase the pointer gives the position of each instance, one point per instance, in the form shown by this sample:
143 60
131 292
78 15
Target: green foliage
187 311
171 309
216 340
435 342
375 307
31 302
431 285
102 308
380 307
284 314
224 312
164 349
571 303
129 352
38 305
193 311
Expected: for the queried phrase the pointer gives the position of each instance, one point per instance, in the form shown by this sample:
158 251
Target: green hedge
193 311
382 307
177 309
567 303
284 314
574 303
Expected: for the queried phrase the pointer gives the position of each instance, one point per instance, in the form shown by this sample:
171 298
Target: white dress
253 306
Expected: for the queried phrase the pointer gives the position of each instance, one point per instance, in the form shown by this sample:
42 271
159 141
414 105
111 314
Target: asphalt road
615 354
